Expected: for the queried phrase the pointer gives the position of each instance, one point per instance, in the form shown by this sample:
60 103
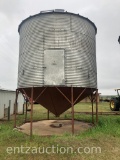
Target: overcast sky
104 13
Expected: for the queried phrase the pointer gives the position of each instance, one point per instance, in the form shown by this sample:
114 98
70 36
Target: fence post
23 108
4 110
17 107
9 110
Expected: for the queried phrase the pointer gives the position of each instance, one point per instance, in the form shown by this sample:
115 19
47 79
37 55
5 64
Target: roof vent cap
45 11
59 10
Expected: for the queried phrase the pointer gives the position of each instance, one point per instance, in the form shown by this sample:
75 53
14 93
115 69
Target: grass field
105 137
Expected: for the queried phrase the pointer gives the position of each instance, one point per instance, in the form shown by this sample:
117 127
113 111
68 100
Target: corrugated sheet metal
72 33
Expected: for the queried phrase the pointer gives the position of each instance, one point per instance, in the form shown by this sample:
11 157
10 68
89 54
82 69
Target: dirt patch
54 127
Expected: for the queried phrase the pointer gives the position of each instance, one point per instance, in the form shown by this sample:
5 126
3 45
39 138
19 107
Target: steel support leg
72 105
96 106
15 109
48 114
92 112
26 111
31 121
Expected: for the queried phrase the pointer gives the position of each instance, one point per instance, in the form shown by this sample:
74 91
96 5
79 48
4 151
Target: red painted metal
92 112
79 95
57 99
72 105
48 114
63 95
26 111
15 109
31 112
40 94
24 93
96 106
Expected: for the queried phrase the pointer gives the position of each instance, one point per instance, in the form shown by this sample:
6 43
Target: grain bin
57 52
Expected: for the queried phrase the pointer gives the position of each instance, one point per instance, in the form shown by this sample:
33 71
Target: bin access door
54 67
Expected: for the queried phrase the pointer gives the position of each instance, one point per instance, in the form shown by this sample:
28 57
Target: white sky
104 13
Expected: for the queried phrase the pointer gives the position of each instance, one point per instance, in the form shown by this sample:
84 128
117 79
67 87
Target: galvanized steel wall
48 31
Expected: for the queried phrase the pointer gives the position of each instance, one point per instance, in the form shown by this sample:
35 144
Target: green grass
105 135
